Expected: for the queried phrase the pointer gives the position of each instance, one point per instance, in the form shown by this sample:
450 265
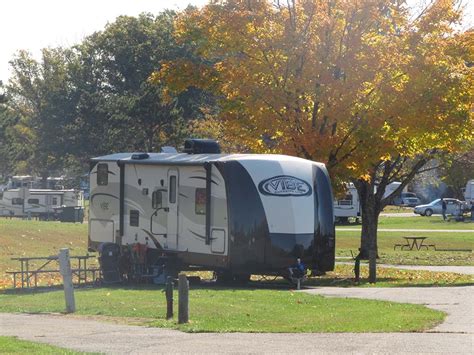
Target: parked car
407 199
453 207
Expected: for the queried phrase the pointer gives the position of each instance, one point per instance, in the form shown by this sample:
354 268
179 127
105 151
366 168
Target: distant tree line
95 98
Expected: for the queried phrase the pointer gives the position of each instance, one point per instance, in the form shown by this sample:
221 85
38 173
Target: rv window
17 201
156 199
200 204
55 201
172 189
102 174
33 201
134 218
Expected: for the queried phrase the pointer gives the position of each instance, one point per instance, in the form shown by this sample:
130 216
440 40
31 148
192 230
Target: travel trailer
41 203
469 193
31 182
235 214
349 206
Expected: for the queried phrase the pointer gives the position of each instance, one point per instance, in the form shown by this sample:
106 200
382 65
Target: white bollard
65 270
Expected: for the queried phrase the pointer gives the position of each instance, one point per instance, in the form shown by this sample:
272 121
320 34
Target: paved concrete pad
89 335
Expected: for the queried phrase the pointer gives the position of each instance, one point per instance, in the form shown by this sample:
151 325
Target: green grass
343 276
418 222
397 209
347 241
12 345
35 238
350 240
38 238
243 310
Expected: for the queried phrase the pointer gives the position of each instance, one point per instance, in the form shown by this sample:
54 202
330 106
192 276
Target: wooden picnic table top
51 257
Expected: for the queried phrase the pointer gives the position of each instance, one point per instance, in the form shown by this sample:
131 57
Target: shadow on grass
253 285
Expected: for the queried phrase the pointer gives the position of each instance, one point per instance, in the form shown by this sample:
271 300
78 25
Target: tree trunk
370 208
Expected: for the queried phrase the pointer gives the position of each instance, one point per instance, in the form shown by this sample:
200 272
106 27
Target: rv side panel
104 203
324 230
248 226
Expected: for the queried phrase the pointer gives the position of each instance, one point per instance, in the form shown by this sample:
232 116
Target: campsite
237 176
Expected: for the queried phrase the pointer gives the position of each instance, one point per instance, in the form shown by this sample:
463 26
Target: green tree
42 96
133 114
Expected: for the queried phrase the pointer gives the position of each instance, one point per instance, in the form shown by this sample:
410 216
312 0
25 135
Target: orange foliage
348 83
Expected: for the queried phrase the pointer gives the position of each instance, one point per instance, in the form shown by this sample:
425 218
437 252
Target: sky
36 24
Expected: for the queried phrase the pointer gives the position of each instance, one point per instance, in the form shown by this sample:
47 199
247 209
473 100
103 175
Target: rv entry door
173 194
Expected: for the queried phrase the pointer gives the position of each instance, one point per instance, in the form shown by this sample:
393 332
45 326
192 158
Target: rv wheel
242 278
226 277
223 277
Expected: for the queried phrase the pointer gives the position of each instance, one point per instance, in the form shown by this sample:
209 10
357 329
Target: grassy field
34 238
349 240
343 276
397 209
215 309
12 345
229 310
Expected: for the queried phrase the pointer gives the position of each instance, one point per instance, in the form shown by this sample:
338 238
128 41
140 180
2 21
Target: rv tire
226 277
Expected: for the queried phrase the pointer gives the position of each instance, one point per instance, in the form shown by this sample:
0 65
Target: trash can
109 260
71 214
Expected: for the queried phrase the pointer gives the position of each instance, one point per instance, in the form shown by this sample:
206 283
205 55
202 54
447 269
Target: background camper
348 206
40 203
236 214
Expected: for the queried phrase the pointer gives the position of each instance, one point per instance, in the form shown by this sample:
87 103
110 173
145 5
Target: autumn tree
359 85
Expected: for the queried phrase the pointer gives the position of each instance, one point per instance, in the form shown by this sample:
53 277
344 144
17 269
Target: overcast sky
36 24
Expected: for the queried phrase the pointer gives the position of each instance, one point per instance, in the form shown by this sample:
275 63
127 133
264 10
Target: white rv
349 206
236 214
469 192
22 202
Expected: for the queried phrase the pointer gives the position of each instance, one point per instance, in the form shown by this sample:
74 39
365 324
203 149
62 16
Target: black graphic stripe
203 237
152 237
101 194
203 178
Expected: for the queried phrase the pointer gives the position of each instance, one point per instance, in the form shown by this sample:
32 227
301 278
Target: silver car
453 207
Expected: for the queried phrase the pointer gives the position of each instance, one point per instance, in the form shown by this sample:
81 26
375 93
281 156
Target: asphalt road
455 335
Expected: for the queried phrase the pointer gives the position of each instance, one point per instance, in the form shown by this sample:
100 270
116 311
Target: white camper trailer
469 193
22 202
236 214
349 206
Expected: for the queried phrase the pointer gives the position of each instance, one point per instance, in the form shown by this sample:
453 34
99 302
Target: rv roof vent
168 149
140 156
201 146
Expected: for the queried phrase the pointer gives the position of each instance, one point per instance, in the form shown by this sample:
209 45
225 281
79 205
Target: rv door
172 223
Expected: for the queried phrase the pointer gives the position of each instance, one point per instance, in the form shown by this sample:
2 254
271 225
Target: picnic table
27 273
414 243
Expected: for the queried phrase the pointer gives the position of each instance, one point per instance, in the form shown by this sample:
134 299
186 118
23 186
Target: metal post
22 274
183 299
65 269
169 297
